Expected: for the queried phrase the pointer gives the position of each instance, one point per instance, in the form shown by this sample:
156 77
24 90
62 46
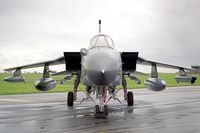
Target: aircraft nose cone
102 71
102 77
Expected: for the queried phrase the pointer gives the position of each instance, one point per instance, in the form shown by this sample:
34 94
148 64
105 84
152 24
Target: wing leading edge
142 61
58 61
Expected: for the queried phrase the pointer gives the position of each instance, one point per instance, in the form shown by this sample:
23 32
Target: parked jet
196 67
100 68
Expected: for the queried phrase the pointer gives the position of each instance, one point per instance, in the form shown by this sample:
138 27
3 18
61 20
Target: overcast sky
162 30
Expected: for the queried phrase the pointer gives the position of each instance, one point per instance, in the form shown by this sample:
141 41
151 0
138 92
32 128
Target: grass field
28 87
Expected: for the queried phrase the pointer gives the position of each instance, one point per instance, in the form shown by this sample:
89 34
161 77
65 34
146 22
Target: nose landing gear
101 111
100 114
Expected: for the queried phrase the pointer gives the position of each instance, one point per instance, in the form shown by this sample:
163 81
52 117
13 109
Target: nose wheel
101 113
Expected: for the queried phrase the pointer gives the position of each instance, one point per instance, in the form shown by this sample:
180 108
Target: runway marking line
14 100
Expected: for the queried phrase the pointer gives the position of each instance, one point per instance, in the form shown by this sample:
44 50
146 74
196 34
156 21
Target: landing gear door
72 61
129 60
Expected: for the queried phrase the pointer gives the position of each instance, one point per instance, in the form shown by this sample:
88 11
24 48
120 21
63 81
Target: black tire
130 99
70 99
193 80
96 111
106 110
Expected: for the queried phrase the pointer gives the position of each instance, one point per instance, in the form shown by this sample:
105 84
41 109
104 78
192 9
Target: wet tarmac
174 110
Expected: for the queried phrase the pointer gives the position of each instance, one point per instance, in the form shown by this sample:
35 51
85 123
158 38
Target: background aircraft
100 68
197 68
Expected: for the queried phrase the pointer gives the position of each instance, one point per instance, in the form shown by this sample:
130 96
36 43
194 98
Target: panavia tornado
100 68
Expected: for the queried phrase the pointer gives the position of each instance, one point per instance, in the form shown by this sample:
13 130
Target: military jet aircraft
197 67
100 68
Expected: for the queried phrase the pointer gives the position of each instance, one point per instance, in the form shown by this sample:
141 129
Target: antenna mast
100 26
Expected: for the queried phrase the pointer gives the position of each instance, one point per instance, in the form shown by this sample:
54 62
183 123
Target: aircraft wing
141 73
142 61
130 59
58 61
64 73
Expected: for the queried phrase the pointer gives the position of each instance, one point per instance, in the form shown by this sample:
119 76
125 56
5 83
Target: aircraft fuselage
102 66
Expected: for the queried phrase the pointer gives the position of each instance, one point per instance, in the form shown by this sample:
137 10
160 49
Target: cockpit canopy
101 40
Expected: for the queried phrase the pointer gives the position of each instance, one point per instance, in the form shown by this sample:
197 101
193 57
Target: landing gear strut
101 111
72 96
128 96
